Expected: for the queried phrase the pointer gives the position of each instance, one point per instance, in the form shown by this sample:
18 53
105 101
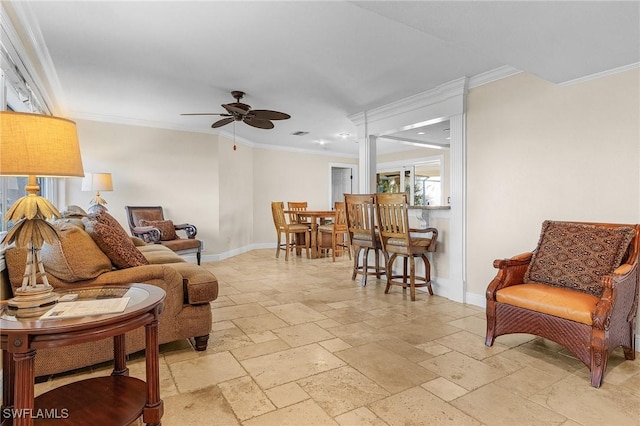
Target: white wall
539 151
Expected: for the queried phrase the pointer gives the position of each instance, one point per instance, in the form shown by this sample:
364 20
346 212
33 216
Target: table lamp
97 182
35 145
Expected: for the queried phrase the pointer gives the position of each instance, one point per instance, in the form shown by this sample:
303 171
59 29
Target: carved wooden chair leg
365 266
427 273
356 256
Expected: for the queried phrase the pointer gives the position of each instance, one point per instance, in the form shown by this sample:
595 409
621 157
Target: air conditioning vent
300 133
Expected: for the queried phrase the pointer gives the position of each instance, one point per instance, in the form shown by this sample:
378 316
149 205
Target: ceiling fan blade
208 113
222 122
260 124
237 108
265 114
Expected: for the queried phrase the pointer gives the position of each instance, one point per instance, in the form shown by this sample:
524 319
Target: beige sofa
91 252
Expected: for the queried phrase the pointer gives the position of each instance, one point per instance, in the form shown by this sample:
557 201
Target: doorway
343 181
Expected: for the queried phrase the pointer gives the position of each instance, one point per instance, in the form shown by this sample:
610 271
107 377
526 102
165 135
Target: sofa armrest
191 230
510 272
200 285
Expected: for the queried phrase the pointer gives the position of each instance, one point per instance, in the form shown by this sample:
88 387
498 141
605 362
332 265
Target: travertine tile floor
300 343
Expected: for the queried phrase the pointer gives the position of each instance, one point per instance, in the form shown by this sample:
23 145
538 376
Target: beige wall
236 187
150 166
538 151
200 179
288 176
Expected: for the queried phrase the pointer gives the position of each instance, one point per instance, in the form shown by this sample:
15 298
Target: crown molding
441 93
600 74
228 135
46 84
492 75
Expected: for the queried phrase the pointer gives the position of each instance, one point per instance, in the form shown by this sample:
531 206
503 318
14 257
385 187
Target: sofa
94 250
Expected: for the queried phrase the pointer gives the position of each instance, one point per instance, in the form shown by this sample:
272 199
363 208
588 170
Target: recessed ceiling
147 62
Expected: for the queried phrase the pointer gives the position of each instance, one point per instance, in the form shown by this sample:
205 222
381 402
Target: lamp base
32 297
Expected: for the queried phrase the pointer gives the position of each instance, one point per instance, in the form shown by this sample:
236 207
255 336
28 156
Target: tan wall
236 178
150 166
199 178
288 176
539 151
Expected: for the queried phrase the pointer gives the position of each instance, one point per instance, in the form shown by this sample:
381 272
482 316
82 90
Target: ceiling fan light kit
238 111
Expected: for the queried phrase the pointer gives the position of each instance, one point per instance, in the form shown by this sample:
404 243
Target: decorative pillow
576 256
114 242
76 257
73 212
166 228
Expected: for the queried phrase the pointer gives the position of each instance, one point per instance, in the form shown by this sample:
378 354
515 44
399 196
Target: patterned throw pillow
114 241
577 256
166 228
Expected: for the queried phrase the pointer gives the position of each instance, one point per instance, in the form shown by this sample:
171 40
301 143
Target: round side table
113 400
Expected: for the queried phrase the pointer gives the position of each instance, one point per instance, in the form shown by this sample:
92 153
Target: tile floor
299 343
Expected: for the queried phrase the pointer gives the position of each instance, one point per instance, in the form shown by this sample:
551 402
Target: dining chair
332 235
297 206
290 231
363 235
397 240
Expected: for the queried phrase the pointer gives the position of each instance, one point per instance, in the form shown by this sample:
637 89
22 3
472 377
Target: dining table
315 216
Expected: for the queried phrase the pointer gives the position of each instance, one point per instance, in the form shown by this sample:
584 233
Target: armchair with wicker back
579 288
148 223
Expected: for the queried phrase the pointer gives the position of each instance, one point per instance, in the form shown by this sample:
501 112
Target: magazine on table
86 307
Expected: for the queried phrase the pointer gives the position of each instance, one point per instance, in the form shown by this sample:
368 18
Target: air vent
300 133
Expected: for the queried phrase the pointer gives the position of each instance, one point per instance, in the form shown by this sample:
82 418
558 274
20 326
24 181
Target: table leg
314 237
154 407
8 380
23 388
120 357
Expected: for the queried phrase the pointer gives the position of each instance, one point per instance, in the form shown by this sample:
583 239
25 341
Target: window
17 95
421 179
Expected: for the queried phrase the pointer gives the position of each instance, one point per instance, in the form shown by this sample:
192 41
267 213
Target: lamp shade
40 145
97 182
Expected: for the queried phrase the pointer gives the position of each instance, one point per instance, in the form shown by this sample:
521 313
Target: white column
367 165
457 253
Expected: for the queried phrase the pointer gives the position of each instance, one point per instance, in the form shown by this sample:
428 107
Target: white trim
50 94
492 75
165 126
601 74
439 94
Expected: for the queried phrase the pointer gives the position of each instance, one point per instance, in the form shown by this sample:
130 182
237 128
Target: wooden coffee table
115 400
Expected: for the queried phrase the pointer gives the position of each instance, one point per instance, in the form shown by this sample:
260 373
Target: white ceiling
147 62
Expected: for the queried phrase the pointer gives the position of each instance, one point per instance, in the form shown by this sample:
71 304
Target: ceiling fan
237 111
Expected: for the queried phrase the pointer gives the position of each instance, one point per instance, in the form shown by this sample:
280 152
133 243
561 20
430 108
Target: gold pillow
75 257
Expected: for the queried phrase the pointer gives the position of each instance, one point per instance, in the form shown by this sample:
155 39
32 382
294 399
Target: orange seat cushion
559 302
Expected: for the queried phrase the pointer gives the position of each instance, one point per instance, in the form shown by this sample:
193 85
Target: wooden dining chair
395 233
363 236
290 231
334 236
298 206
